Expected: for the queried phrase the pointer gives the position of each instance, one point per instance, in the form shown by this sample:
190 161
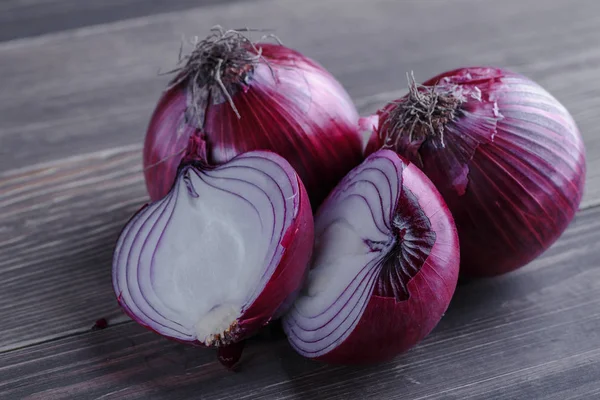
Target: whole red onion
384 269
505 154
238 96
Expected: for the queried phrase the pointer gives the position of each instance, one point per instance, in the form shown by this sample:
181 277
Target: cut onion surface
223 253
384 268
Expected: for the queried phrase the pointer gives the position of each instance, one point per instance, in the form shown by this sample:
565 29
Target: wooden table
79 81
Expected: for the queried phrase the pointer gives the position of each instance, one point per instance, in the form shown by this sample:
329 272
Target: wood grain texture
60 91
528 335
73 109
20 18
59 226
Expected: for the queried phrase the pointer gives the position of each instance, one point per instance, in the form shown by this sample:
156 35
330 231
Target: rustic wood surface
23 18
79 81
532 334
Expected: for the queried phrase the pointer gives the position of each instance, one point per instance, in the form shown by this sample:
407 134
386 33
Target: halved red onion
504 153
384 269
223 253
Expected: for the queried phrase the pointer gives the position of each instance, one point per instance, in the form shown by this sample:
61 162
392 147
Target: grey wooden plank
529 334
59 226
20 18
60 90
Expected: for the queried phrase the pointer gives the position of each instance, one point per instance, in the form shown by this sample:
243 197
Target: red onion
240 96
506 156
223 253
384 269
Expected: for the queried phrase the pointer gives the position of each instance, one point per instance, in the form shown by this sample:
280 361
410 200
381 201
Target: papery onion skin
283 285
511 169
367 126
286 102
388 325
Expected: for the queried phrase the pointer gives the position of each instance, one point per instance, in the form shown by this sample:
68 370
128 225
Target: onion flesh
223 253
384 269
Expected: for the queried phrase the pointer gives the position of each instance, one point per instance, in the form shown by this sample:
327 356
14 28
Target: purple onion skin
283 286
229 356
292 106
512 170
390 325
287 280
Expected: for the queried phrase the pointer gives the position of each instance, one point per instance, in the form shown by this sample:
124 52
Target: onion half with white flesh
221 255
384 268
